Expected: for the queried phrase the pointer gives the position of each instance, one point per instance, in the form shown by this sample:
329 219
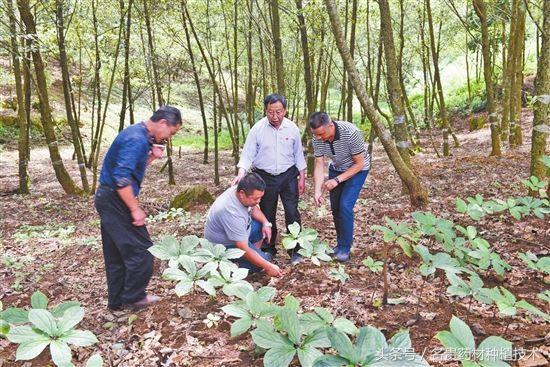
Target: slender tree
418 195
278 45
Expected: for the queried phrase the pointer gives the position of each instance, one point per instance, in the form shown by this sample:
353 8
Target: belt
105 187
262 172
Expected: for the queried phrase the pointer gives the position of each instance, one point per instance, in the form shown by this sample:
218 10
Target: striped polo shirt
348 141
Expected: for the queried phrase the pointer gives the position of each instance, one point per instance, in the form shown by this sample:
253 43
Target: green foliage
370 349
545 296
297 236
59 231
508 305
374 265
174 251
322 318
287 337
459 342
339 274
536 185
533 262
55 328
316 251
231 279
217 254
399 233
473 288
251 310
191 276
440 260
4 324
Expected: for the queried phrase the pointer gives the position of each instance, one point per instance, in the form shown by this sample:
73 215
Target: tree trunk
517 80
349 102
126 91
45 110
418 195
508 73
152 53
393 85
75 130
479 7
276 31
198 85
23 140
541 107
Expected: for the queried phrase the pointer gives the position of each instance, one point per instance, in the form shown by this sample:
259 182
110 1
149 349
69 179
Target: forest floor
51 242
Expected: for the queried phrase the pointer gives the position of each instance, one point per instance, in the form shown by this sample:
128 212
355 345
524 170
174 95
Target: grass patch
196 141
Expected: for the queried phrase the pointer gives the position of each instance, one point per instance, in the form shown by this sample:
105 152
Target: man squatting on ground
273 149
343 143
235 221
128 264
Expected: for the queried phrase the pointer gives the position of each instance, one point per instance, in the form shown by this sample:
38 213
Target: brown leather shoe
144 303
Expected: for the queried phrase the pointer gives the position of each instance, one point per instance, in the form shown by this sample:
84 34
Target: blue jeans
342 201
255 236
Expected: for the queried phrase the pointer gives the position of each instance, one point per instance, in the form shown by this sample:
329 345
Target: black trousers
284 186
128 264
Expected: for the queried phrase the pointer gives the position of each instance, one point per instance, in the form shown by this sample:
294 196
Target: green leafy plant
322 318
174 251
472 288
231 279
252 309
400 233
374 265
339 274
298 237
94 361
48 330
191 277
286 338
4 325
211 320
460 343
536 185
370 349
545 296
215 255
533 262
316 251
508 304
172 213
439 260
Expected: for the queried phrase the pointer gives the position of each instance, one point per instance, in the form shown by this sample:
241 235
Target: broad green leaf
461 205
449 341
269 339
266 293
342 344
183 287
307 355
401 340
279 356
292 302
60 309
43 320
235 310
493 350
330 361
39 300
346 326
206 286
95 361
80 338
462 332
4 328
15 315
241 326
369 341
310 322
529 307
61 353
22 334
31 349
290 323
70 319
324 314
317 339
294 229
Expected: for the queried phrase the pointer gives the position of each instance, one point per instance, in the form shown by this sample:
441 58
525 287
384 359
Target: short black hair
172 115
318 119
274 98
250 182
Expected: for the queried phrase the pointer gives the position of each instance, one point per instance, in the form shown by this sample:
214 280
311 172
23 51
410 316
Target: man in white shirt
273 149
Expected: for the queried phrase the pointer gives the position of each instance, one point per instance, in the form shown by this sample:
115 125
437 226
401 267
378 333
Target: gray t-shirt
228 220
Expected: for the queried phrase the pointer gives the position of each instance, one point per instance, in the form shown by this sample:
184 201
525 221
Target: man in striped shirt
343 144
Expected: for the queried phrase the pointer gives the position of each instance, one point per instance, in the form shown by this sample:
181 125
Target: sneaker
335 250
295 259
147 301
342 256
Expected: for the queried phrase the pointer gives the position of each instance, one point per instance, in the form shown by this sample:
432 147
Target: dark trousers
285 186
342 201
128 264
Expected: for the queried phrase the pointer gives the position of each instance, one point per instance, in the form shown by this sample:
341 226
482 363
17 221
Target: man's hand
138 215
237 178
301 185
330 184
266 233
273 270
319 199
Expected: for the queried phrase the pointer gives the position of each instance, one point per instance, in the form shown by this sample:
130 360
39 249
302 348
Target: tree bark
75 130
61 173
418 195
23 139
126 88
480 9
277 42
541 107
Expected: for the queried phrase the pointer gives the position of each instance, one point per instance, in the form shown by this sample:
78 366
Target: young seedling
231 280
215 255
316 251
370 349
211 320
191 277
459 342
339 274
174 251
534 263
474 289
322 318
